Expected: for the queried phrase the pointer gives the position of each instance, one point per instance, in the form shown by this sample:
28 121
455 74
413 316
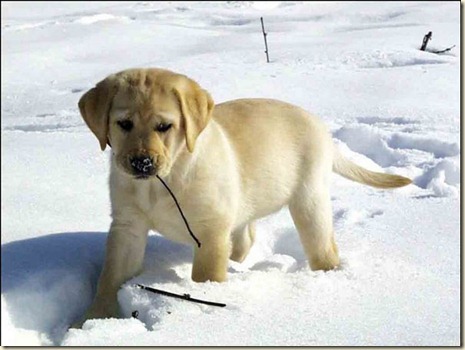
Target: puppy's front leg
211 259
123 260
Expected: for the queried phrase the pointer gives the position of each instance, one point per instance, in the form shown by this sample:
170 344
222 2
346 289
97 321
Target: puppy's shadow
288 243
49 281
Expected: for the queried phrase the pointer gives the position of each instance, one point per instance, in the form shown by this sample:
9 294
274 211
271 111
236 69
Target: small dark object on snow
445 50
135 314
427 38
179 296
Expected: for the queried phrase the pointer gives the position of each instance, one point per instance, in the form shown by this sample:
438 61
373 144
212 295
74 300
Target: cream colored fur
228 165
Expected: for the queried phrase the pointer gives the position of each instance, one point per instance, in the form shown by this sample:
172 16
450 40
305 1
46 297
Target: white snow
356 65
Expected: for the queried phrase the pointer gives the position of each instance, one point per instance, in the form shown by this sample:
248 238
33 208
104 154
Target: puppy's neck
186 166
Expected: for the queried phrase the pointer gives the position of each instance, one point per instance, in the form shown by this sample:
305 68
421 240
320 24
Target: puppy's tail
354 172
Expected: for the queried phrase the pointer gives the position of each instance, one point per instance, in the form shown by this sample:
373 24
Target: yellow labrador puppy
228 165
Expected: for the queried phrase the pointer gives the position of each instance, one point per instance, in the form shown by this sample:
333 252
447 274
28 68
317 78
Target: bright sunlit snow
357 65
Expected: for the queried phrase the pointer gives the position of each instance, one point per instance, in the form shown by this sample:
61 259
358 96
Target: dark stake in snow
266 44
427 38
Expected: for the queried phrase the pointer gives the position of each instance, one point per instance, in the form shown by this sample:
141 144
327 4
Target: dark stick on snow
266 44
180 211
425 40
179 296
445 50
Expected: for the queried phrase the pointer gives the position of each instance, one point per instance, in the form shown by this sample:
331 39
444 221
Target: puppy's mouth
142 177
158 172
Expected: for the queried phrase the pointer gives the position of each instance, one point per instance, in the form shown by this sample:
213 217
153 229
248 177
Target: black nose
142 165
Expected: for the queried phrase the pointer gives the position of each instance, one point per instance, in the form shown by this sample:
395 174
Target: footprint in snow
278 262
61 92
64 120
344 217
374 120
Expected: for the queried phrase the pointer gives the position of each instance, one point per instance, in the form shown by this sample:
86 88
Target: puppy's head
147 116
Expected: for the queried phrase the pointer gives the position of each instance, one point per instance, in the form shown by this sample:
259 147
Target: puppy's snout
142 165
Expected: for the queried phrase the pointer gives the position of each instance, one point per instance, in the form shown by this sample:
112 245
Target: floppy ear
95 106
196 108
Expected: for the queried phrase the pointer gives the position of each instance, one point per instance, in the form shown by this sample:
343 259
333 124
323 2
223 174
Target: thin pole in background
266 44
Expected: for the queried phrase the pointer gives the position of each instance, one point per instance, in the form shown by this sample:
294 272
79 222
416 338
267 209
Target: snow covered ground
355 64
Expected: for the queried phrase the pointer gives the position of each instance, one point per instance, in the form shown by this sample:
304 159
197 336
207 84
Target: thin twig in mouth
180 211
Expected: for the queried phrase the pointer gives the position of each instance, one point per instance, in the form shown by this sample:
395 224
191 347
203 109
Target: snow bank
368 141
442 178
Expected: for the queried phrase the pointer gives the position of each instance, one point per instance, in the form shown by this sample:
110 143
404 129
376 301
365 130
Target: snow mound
440 149
442 178
108 332
100 18
12 334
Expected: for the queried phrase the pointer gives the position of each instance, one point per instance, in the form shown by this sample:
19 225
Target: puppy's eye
163 127
125 124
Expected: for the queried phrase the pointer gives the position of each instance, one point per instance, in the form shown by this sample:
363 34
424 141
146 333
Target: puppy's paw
98 311
326 261
77 324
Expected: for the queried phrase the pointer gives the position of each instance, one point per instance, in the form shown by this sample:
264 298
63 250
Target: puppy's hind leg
242 241
312 215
